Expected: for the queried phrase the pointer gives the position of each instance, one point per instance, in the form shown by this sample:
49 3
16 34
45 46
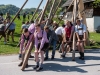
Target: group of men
62 35
4 23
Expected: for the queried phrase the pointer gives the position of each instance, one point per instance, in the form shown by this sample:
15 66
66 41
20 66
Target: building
92 14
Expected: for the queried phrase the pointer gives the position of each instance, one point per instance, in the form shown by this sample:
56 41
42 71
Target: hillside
12 9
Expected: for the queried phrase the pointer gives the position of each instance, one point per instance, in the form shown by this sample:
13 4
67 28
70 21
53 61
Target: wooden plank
74 22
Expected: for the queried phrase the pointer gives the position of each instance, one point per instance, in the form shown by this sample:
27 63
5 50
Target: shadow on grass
17 34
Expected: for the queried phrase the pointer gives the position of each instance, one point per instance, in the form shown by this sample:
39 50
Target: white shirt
83 29
59 30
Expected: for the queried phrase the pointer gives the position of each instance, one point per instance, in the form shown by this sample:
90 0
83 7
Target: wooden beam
44 11
54 12
74 23
36 10
66 11
50 13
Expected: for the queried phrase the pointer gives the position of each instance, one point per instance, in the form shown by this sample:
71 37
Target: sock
83 54
37 63
41 65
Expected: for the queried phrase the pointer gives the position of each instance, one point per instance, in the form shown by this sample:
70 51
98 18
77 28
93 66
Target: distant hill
12 9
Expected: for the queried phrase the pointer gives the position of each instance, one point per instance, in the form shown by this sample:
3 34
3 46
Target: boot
80 55
20 64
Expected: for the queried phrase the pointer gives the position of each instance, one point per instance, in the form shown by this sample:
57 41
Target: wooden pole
15 16
74 36
44 11
54 12
50 12
36 10
66 11
38 16
83 16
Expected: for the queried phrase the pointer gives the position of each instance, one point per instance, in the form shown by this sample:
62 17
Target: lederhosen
45 46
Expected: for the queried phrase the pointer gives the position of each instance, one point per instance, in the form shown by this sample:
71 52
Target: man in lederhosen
80 30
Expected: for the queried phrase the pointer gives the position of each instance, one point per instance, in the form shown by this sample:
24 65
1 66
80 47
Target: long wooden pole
36 10
50 12
54 12
15 16
74 18
44 11
38 15
66 11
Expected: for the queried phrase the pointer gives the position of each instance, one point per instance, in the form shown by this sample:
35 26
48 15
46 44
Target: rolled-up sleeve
76 30
44 38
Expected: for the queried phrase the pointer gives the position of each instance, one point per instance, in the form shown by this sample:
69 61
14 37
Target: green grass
11 48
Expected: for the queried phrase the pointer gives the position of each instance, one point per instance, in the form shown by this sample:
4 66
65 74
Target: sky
19 3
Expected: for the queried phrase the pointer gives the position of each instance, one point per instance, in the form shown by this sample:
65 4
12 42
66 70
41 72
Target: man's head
46 28
78 22
26 32
37 27
68 23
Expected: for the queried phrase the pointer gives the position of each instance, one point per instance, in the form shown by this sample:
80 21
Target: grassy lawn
11 48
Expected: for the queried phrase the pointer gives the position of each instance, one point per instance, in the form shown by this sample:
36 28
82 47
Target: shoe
36 67
60 51
20 64
26 66
31 56
63 56
39 68
46 58
52 57
20 56
80 55
82 58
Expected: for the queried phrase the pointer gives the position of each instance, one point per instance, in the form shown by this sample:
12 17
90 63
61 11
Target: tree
96 3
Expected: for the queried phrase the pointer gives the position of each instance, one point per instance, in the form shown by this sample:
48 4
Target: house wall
90 24
96 21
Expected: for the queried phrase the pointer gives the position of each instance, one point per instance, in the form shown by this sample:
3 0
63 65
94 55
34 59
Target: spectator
11 30
2 30
8 16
